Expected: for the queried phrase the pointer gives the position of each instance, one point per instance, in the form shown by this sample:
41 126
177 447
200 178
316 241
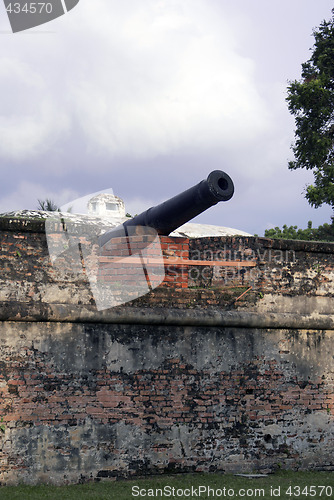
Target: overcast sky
148 96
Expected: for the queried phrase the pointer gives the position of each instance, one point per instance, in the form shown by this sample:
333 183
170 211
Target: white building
106 205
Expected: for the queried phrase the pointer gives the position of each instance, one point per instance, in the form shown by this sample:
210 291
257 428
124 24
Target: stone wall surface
222 367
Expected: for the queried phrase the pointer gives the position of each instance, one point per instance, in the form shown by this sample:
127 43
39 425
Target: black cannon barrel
176 211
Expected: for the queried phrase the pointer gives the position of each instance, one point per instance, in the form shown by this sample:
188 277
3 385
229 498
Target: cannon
176 211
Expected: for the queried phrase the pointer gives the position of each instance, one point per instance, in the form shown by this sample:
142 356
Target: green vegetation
48 206
322 233
311 102
286 485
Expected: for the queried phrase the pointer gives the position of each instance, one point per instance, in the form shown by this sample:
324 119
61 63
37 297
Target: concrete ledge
65 313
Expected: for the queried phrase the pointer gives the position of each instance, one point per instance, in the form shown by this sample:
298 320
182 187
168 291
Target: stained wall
228 367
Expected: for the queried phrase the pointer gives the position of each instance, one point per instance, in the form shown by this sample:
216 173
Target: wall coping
34 222
210 317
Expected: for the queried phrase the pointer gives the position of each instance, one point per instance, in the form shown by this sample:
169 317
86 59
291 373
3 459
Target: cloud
147 78
172 81
30 122
26 191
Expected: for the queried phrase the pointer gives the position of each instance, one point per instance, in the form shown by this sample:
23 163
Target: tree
322 233
47 205
291 232
311 101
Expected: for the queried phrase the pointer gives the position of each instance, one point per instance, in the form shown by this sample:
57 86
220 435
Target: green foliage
311 101
47 205
322 233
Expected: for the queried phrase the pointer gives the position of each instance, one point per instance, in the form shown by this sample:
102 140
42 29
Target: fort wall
225 366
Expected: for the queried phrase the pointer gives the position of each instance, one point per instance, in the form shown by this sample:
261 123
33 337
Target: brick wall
275 267
83 400
282 266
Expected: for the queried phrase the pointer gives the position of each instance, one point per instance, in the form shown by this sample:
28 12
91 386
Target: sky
147 97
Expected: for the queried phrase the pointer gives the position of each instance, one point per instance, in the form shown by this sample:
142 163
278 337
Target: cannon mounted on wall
176 211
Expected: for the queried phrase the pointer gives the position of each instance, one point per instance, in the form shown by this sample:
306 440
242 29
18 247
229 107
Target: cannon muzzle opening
221 185
176 211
